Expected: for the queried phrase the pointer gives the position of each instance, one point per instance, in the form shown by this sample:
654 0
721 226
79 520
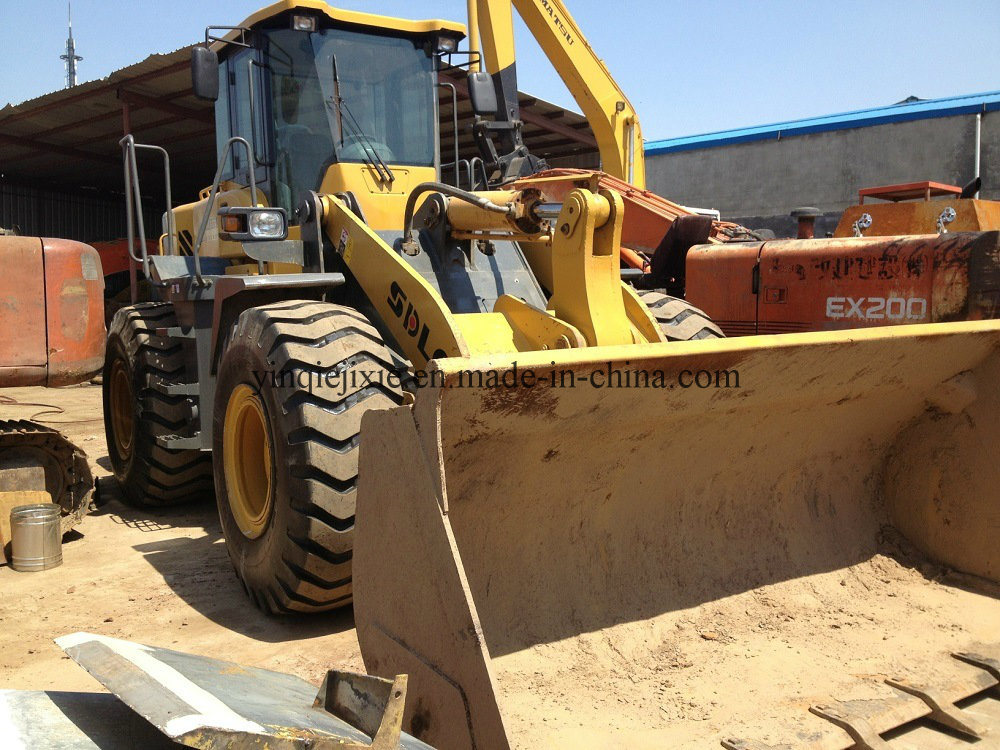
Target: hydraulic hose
409 245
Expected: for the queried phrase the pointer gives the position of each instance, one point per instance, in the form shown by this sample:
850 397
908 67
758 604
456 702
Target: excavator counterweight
52 293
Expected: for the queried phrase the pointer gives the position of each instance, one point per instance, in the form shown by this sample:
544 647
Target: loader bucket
668 567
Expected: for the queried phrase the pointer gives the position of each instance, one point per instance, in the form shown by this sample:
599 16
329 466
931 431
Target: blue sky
688 67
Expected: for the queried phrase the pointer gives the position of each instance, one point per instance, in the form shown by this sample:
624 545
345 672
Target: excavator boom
607 109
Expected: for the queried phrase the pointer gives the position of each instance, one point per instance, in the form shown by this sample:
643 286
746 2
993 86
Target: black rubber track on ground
66 474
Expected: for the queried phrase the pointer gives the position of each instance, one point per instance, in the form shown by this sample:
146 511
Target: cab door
248 117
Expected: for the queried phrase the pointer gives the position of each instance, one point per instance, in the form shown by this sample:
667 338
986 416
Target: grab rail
133 200
213 194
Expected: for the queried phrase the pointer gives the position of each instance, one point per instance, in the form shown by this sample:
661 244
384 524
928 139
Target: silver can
35 537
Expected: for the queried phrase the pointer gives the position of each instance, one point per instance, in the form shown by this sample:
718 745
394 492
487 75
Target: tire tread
157 476
312 571
680 320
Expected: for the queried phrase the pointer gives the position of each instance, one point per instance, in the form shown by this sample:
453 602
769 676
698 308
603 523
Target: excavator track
36 457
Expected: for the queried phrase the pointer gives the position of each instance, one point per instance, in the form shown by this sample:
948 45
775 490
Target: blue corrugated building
759 174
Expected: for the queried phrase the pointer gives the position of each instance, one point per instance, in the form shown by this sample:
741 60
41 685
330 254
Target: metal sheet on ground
32 719
208 703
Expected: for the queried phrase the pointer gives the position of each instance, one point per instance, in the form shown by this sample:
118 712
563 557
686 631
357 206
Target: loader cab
333 101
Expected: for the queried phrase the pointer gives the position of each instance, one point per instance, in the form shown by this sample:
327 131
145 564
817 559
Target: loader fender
543 588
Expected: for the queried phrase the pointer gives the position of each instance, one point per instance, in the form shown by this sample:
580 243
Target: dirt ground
157 577
749 663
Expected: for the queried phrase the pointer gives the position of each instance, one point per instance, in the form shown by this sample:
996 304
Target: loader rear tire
286 448
136 412
679 320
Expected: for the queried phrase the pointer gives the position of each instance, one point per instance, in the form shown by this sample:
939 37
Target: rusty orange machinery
51 312
114 255
917 208
648 215
783 286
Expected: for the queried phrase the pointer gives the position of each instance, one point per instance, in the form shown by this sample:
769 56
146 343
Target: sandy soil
748 664
156 577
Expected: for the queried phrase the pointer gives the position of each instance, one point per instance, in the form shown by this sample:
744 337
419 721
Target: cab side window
247 105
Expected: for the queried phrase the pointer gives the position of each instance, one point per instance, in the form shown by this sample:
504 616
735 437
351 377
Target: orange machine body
114 255
51 312
648 216
914 208
783 286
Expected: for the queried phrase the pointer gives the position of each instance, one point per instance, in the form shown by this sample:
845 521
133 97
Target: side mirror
482 94
205 73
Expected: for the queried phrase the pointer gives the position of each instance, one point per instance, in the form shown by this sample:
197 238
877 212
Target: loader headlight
267 225
446 44
252 224
304 23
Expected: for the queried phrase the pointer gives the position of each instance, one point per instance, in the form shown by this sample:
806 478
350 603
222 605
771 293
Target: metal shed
60 163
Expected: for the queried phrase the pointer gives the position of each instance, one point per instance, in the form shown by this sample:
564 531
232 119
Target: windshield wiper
372 158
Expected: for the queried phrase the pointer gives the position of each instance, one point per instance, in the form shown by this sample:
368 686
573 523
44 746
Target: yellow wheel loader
286 312
568 527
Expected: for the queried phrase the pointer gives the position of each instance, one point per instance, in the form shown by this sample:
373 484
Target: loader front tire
294 379
137 364
679 320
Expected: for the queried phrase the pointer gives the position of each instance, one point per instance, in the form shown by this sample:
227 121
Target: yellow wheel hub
246 453
122 417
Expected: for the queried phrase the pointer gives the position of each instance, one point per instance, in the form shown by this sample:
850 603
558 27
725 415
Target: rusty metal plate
207 703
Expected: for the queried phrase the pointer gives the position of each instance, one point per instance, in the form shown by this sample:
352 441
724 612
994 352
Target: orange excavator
52 315
923 252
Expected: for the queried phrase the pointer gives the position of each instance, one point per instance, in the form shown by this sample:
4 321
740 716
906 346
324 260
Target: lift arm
607 109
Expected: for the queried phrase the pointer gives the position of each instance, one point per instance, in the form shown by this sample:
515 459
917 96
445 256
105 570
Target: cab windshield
347 96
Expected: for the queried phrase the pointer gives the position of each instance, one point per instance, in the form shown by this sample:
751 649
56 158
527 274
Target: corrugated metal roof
902 112
70 137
